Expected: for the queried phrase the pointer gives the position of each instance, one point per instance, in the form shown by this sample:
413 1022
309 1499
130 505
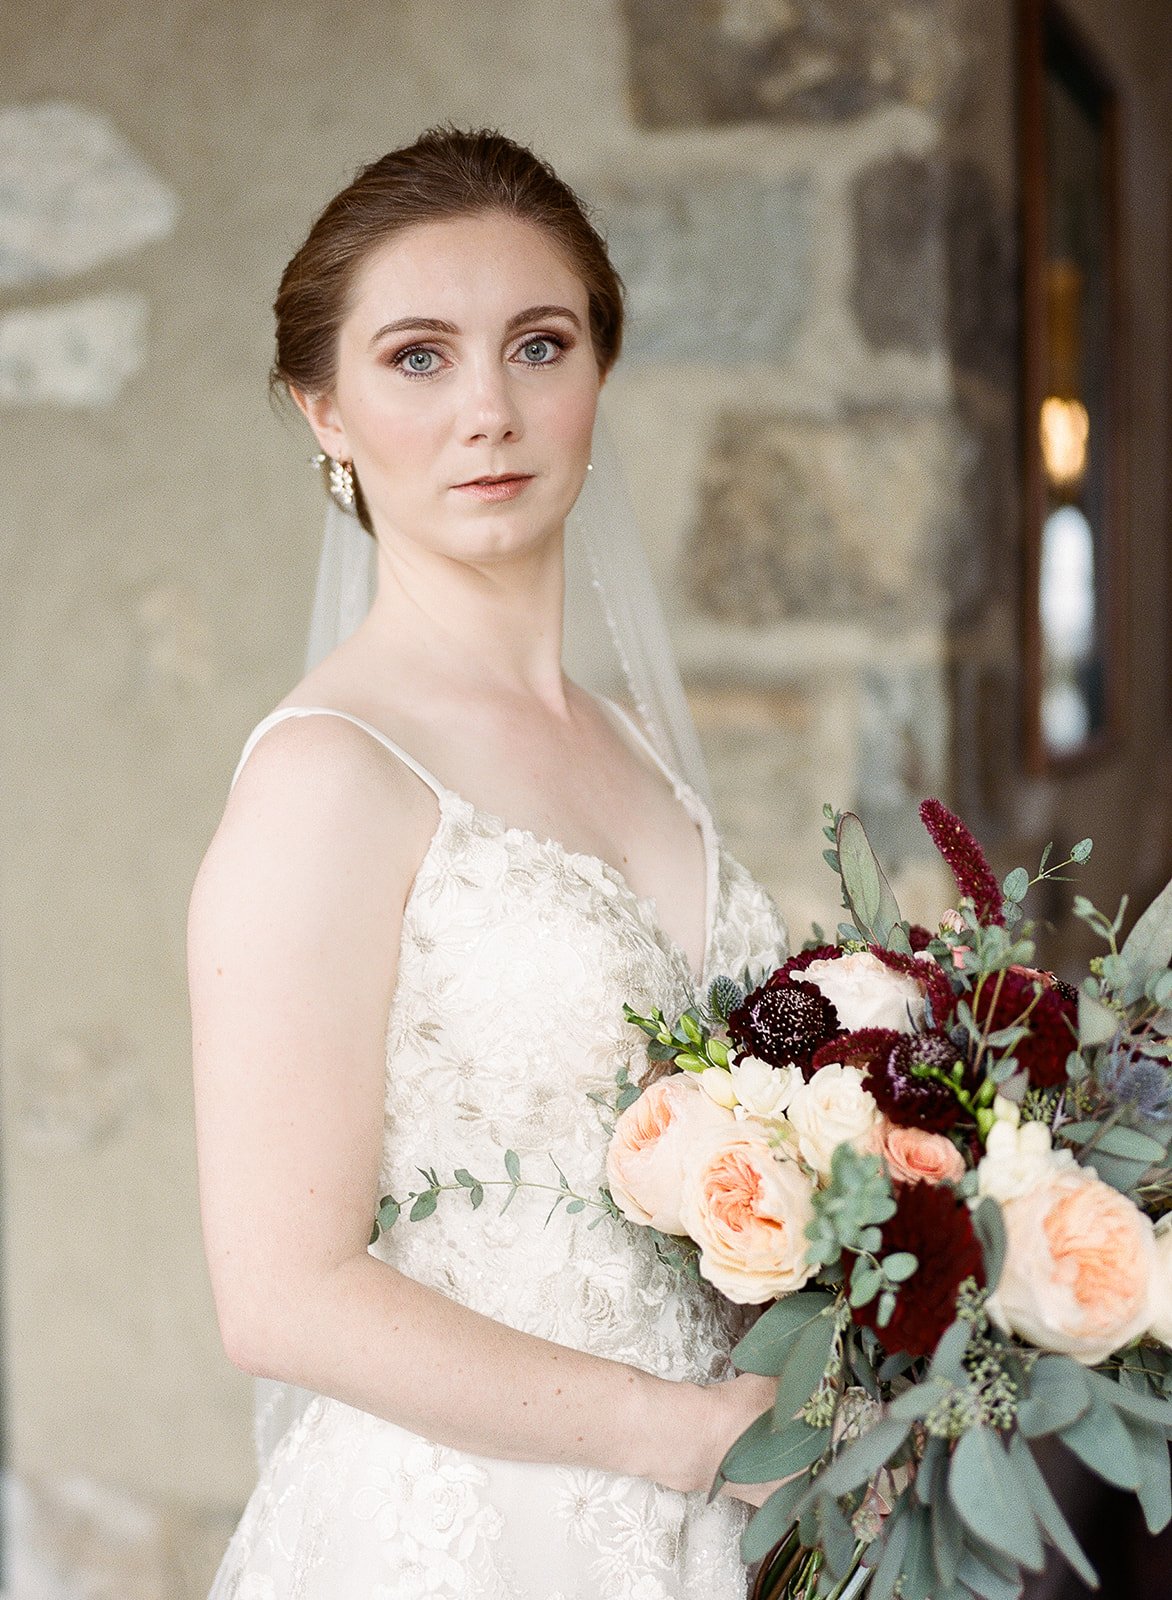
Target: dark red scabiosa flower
799 963
919 936
1015 997
939 991
933 1223
908 1099
966 859
887 1060
783 1023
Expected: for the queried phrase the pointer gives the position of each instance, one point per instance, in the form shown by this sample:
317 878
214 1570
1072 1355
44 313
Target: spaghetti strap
283 712
645 743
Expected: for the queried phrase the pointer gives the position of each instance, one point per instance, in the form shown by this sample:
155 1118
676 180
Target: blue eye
542 351
417 362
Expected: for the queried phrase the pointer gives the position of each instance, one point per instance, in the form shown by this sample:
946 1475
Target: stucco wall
811 447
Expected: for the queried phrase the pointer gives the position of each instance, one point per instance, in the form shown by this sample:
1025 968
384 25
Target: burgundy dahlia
1016 998
933 1223
960 849
783 1023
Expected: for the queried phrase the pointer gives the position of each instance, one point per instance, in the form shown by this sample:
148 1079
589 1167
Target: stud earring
340 480
590 466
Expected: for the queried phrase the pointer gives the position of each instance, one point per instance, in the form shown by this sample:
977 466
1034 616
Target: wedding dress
516 957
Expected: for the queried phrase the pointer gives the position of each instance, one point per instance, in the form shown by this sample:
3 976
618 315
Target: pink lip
501 488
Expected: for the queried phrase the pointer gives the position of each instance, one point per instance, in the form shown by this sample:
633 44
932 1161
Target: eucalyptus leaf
1155 1489
947 1528
803 1368
1101 1441
919 1569
863 1457
895 1538
760 1455
835 1537
764 1348
1016 885
424 1206
1144 1406
989 1228
1148 947
915 1403
773 1520
980 1572
1117 1141
1058 1395
865 885
947 1361
513 1165
984 1489
1047 1510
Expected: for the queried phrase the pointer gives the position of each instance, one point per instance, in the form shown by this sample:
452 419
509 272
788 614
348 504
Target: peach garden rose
747 1210
1079 1267
651 1141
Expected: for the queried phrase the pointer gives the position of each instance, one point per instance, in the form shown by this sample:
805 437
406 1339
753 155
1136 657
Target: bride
442 869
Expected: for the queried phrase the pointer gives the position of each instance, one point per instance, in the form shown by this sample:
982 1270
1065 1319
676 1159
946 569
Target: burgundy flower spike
972 872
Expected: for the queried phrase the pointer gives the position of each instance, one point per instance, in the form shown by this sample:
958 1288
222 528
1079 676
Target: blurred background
895 408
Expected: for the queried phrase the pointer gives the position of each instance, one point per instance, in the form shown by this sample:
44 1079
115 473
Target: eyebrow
437 325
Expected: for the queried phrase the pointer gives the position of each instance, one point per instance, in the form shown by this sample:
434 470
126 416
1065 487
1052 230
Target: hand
738 1403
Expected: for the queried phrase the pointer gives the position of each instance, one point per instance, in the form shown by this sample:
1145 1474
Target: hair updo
448 172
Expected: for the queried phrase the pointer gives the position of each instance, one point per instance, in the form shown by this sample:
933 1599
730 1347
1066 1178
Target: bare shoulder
320 810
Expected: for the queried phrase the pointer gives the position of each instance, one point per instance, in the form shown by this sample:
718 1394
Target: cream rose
1161 1326
651 1141
913 1155
1018 1156
866 993
763 1092
1079 1266
747 1210
831 1109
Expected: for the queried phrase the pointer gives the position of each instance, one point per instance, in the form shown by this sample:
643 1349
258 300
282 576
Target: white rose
867 994
1161 1328
1017 1159
762 1090
831 1109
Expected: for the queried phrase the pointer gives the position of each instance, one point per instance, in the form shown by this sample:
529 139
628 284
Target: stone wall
813 206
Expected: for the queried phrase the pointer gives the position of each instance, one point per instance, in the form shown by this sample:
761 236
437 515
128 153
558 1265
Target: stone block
851 517
935 262
717 270
703 63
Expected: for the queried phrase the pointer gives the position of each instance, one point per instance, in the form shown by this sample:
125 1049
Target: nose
489 413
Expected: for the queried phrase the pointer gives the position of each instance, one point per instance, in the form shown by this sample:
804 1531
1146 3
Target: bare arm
293 947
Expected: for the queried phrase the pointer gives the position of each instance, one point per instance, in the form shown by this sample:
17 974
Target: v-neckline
644 904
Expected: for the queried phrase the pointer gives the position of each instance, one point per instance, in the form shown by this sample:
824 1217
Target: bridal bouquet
946 1173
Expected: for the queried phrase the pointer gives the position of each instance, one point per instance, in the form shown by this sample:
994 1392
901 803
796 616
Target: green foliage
763 1453
986 1493
867 894
765 1347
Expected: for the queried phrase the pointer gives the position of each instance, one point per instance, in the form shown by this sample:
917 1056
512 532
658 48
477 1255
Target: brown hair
448 172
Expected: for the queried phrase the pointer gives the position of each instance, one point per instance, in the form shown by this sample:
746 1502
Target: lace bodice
516 956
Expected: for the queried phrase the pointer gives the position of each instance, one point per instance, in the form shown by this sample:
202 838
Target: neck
497 625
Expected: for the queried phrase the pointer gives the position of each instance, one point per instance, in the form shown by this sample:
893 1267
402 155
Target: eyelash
561 344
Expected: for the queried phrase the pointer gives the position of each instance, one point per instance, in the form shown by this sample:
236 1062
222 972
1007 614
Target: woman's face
466 354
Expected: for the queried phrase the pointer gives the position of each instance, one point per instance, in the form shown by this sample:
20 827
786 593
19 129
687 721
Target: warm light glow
1065 428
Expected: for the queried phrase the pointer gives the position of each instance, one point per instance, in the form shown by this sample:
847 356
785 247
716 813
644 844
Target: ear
321 413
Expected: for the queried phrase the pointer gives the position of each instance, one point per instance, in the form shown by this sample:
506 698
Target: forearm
386 1344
